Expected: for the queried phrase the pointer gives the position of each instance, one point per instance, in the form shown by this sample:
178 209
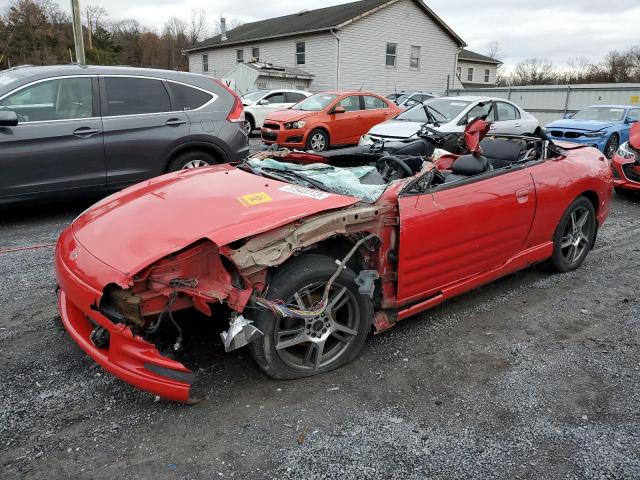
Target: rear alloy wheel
248 126
612 146
296 347
192 159
574 236
318 141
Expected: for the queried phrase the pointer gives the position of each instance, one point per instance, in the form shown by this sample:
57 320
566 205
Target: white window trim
395 55
411 57
253 56
487 75
205 63
470 73
238 59
297 54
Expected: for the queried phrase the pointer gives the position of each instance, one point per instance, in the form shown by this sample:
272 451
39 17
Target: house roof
311 21
270 70
469 56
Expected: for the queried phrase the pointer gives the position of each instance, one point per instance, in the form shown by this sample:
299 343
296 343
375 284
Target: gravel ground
533 376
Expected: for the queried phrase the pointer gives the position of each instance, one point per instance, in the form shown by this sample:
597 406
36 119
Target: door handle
522 195
517 124
174 122
85 132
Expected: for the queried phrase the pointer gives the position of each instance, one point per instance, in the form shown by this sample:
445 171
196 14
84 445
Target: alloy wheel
310 344
612 147
575 238
318 142
247 127
194 164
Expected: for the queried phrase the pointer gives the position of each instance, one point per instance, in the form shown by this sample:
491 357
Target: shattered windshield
602 114
316 102
350 181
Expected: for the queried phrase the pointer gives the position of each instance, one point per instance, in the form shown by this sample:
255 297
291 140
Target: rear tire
191 159
318 141
296 348
574 237
249 125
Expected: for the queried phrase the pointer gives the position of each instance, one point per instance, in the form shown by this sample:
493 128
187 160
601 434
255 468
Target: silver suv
91 129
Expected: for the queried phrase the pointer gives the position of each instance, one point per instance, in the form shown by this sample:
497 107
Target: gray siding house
477 71
379 45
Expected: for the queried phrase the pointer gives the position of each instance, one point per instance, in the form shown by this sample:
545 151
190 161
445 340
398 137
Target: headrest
503 148
469 165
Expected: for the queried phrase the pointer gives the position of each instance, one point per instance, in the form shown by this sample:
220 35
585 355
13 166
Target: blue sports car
604 127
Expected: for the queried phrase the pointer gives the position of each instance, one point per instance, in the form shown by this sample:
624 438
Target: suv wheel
192 159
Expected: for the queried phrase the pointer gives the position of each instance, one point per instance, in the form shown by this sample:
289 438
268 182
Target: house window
470 74
255 53
391 54
300 53
240 56
459 72
486 75
414 61
205 63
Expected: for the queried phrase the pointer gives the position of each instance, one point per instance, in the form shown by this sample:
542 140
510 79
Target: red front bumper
128 357
626 174
291 138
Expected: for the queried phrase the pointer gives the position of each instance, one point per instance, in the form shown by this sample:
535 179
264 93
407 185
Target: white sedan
451 114
260 103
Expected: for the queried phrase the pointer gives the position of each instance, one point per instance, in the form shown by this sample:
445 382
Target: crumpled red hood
141 224
634 136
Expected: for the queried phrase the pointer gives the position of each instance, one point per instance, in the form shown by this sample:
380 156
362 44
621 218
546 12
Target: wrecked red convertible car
302 255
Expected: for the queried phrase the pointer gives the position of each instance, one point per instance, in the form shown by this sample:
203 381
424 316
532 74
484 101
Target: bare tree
493 49
533 71
198 25
94 15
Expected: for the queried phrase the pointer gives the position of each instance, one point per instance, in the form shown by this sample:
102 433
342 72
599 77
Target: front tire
574 237
318 141
296 348
192 159
612 146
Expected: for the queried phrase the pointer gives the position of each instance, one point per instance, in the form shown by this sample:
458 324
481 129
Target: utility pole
77 32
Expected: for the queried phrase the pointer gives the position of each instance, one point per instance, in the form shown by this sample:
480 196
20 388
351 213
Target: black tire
340 348
190 159
565 257
249 125
318 141
612 146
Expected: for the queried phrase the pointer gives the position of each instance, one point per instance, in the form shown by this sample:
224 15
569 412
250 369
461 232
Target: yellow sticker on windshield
254 199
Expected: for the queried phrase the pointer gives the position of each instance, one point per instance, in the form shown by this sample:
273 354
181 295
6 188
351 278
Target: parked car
301 260
406 100
604 127
626 162
259 104
451 114
327 119
91 129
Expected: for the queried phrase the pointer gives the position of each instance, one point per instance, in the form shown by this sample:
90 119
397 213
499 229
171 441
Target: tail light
237 110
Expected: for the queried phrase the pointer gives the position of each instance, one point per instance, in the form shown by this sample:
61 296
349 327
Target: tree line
38 32
618 66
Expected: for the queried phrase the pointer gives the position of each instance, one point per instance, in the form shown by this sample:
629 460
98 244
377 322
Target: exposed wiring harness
279 308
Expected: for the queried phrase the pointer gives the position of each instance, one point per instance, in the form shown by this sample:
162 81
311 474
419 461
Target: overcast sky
553 29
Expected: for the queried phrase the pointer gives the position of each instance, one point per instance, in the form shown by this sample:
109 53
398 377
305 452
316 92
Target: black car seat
467 166
502 152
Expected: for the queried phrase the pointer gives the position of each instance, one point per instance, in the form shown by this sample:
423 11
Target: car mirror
631 120
263 102
338 110
568 115
8 118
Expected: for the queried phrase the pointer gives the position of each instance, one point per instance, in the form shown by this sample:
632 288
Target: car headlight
595 134
298 124
625 151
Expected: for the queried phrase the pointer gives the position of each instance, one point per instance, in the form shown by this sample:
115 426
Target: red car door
346 125
462 229
376 111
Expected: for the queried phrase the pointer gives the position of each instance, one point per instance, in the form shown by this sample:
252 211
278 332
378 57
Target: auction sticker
305 192
254 199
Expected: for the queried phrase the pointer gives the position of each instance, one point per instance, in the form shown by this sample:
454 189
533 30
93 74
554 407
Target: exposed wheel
294 347
318 141
574 236
192 159
249 125
612 145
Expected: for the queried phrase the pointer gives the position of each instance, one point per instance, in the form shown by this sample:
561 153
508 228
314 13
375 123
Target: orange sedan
327 119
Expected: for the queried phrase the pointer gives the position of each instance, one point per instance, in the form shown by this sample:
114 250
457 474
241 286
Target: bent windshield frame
443 110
